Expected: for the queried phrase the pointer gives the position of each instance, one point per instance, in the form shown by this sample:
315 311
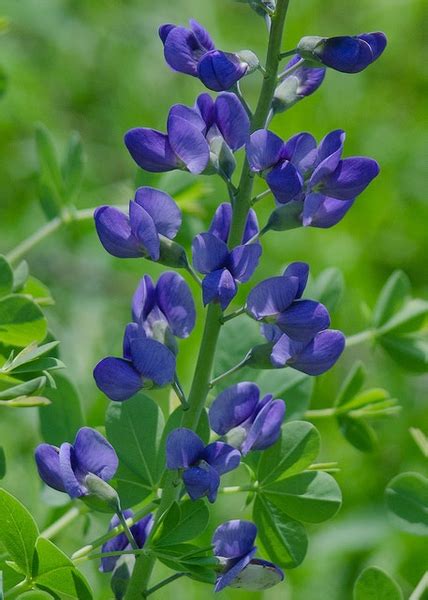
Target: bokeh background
96 66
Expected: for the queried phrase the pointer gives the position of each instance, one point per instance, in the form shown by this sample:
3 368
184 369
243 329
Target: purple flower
152 214
278 301
254 423
302 82
224 268
349 54
234 548
192 135
140 531
202 465
164 310
192 51
65 469
317 177
146 363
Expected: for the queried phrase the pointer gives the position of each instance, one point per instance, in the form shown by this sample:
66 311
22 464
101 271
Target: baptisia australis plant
171 470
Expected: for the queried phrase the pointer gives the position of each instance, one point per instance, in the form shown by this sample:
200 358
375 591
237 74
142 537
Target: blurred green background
96 66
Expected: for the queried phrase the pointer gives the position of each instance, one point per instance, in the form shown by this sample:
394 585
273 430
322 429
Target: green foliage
2 463
407 500
60 421
328 287
6 277
182 523
374 584
190 559
21 321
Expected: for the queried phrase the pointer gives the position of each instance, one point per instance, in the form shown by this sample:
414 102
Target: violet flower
140 532
349 54
234 548
192 51
224 269
146 363
193 134
251 423
302 82
152 214
65 468
202 465
316 177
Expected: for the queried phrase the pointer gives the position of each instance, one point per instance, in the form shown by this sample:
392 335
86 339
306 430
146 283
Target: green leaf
352 384
2 463
50 177
407 500
408 320
135 429
311 496
72 169
393 295
18 531
410 353
189 522
284 539
6 277
38 291
35 595
3 81
297 448
285 217
60 421
358 433
20 275
329 287
294 387
27 388
375 584
56 572
29 354
368 398
21 321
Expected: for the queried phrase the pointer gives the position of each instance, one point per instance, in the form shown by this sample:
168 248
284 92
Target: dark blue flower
234 547
202 465
66 468
251 423
152 214
140 531
224 269
316 177
302 82
349 54
192 51
192 135
146 363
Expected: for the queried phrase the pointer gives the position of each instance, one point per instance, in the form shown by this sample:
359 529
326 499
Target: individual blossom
202 465
248 421
146 363
349 54
140 532
298 84
224 269
192 51
165 310
152 214
66 468
195 135
315 177
234 548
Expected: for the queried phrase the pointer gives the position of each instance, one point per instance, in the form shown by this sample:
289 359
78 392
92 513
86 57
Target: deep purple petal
219 71
206 107
300 150
322 211
132 330
320 354
151 150
251 226
115 233
303 319
143 300
285 182
116 544
188 143
183 448
328 155
263 150
345 53
220 224
233 406
94 454
47 460
301 271
164 30
309 78
117 378
222 457
233 539
266 428
209 253
272 296
161 207
144 229
69 471
351 177
243 261
232 120
227 577
174 298
270 332
154 361
377 42
188 114
182 50
219 285
141 530
202 35
202 481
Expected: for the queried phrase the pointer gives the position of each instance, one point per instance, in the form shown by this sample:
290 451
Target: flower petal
69 466
219 285
115 233
351 177
202 481
151 150
222 457
243 261
202 35
272 296
300 150
174 298
320 354
345 53
377 42
251 226
258 575
206 108
143 228
161 207
182 50
141 530
285 182
322 211
233 539
117 378
232 120
301 271
188 143
220 224
303 319
328 155
233 406
266 428
154 361
264 150
47 460
219 71
183 448
143 300
209 253
227 578
94 454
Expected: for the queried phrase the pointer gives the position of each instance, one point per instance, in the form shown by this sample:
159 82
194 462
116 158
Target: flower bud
302 82
221 157
286 216
172 254
258 575
251 59
102 497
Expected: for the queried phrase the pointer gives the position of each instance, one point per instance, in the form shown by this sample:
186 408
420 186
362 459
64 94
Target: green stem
176 386
359 338
140 578
18 589
166 581
193 273
291 70
232 315
126 530
421 588
288 53
67 518
244 103
260 197
217 380
322 413
234 489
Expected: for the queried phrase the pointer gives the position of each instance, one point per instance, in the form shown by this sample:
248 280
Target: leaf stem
287 53
236 313
291 70
260 196
322 413
176 386
127 530
238 366
163 583
71 515
358 338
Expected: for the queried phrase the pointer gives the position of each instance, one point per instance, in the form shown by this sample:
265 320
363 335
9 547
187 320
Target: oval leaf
21 321
407 499
185 524
358 433
393 295
60 421
375 584
352 384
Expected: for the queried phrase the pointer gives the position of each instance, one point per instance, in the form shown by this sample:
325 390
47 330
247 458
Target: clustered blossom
301 82
234 547
296 327
315 177
192 51
224 269
202 465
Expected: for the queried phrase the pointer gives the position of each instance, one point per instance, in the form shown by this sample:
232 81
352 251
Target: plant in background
155 474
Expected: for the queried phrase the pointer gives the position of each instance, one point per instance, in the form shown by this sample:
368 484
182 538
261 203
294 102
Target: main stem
241 205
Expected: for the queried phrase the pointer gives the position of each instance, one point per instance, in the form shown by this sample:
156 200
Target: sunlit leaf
183 522
407 500
375 584
352 384
393 295
6 277
21 321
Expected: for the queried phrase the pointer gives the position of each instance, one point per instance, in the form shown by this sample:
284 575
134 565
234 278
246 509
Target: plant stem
232 315
421 588
161 584
217 380
288 53
291 70
67 518
244 103
193 273
322 413
126 530
18 589
359 338
260 197
233 489
176 386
